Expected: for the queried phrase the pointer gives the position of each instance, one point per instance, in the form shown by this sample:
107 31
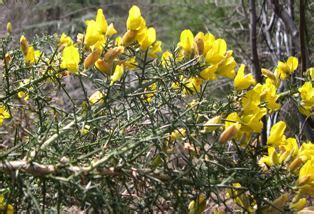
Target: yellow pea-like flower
187 41
4 114
166 58
70 59
242 81
65 40
310 71
217 52
131 63
117 74
96 97
5 207
284 69
209 73
148 39
101 21
135 20
155 49
111 30
277 133
93 33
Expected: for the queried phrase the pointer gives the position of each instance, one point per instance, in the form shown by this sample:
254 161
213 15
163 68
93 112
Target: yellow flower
208 42
251 100
148 39
226 66
187 41
216 53
209 73
192 85
270 75
310 71
269 160
65 40
177 134
252 122
306 151
111 30
135 20
70 59
9 27
166 58
4 206
131 63
277 134
307 98
117 74
24 94
32 56
284 69
288 149
298 205
152 88
242 81
269 95
198 205
4 114
306 178
241 198
101 21
96 97
155 49
93 33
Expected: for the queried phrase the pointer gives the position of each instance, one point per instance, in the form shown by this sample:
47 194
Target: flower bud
104 67
92 58
281 201
24 44
113 53
9 27
7 59
229 133
128 37
295 164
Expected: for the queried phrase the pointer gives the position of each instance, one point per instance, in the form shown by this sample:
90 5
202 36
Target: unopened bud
128 37
92 58
303 180
113 53
9 27
269 74
281 201
200 45
229 133
295 164
7 59
104 67
24 44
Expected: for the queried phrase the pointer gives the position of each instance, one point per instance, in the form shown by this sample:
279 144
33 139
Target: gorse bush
143 133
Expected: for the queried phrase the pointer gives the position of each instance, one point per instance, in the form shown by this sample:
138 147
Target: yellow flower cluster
286 151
